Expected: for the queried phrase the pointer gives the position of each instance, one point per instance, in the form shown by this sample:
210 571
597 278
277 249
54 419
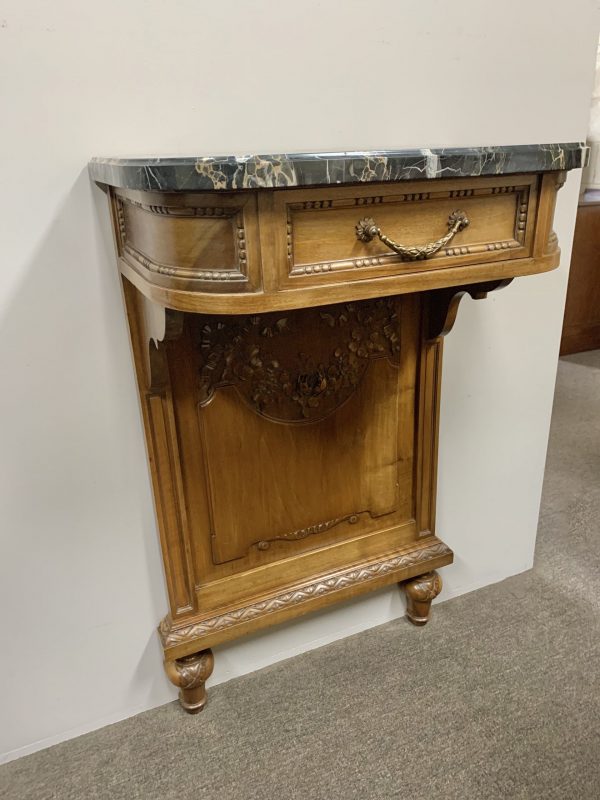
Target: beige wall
81 585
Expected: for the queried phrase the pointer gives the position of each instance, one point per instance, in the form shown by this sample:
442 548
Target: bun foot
190 675
420 592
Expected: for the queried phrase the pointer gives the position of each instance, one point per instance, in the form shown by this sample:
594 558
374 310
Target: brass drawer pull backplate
367 230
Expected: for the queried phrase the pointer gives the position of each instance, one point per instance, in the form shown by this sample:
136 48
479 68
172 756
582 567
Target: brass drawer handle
367 230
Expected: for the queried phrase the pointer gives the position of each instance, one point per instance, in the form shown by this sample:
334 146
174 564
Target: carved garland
310 530
264 356
175 636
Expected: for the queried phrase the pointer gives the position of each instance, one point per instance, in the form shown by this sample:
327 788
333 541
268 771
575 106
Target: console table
286 316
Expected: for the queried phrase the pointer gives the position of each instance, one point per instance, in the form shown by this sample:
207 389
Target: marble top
222 173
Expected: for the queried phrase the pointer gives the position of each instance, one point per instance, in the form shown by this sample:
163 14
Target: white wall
591 175
81 584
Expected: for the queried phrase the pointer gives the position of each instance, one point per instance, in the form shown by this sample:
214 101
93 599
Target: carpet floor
498 697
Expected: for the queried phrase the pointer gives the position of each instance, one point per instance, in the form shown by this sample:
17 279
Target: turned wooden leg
420 591
189 674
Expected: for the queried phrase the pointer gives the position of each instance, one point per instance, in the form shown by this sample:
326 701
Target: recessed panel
320 236
196 240
284 484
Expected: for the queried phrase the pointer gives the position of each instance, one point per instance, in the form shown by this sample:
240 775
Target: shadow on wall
81 559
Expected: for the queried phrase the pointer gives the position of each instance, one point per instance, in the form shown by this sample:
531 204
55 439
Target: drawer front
310 236
193 242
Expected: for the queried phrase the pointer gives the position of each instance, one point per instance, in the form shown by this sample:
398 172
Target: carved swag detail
299 367
310 530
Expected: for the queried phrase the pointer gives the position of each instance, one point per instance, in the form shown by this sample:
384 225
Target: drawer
190 241
247 252
309 236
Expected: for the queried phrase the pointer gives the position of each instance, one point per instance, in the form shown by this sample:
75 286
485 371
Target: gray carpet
498 697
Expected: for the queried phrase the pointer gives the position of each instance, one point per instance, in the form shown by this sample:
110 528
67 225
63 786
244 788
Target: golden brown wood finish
581 327
190 675
192 242
419 594
290 389
317 228
163 243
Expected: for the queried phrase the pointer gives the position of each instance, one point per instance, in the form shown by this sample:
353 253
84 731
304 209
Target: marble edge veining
223 173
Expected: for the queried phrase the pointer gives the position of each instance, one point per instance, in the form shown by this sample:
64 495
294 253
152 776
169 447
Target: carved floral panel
299 366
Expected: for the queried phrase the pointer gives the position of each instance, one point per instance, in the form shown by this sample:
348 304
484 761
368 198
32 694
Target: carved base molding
394 568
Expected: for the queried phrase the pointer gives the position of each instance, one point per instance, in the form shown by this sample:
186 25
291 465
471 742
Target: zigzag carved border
175 636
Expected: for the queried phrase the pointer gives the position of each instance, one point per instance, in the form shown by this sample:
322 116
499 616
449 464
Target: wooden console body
289 376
